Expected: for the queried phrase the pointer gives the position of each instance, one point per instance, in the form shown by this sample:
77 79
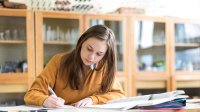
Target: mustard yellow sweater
51 75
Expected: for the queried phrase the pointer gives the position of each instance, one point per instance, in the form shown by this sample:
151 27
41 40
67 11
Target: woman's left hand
83 102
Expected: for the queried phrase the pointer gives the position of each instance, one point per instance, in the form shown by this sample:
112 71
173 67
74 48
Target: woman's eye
89 49
99 54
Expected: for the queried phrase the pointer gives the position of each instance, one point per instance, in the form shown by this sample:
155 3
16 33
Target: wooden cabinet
185 53
119 26
155 54
17 65
55 32
149 54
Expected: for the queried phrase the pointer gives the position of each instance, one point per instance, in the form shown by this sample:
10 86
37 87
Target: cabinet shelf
185 72
187 77
188 84
152 80
13 78
156 45
187 45
149 84
152 76
12 42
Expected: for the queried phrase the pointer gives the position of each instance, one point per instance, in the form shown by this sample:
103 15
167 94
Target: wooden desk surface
107 110
188 108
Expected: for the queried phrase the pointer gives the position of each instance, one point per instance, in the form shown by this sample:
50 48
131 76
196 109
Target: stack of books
167 100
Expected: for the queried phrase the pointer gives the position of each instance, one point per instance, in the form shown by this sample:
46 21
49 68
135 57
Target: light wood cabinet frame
23 80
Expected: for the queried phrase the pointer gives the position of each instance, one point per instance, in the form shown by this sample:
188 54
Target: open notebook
167 100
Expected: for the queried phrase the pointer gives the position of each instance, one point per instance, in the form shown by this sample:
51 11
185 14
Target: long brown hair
74 65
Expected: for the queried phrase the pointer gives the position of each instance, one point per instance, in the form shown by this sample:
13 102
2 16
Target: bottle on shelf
7 35
1 35
15 34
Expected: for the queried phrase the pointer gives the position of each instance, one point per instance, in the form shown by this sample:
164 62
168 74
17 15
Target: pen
51 91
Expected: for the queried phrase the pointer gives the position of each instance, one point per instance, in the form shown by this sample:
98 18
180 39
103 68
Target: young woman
85 76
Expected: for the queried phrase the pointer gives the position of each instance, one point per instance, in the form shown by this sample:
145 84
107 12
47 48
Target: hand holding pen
53 101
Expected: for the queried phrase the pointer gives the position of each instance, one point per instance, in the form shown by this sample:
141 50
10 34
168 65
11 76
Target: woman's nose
91 56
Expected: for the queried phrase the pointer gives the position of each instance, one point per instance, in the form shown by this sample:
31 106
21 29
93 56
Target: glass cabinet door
13 45
150 40
150 56
17 61
116 27
186 53
60 32
187 46
59 35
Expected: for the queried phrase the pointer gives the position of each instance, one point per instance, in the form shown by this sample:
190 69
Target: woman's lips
88 61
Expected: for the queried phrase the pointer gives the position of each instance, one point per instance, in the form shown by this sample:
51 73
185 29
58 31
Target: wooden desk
74 109
106 110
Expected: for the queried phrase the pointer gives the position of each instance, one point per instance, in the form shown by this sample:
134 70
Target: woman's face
93 50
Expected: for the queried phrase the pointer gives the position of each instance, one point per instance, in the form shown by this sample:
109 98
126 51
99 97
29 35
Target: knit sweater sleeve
115 92
38 91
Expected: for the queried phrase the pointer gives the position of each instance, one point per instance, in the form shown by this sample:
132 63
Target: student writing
72 79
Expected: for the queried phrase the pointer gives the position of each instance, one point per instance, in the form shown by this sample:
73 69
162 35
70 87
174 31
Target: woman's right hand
53 102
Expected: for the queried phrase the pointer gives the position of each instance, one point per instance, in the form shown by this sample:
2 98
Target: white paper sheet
25 108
